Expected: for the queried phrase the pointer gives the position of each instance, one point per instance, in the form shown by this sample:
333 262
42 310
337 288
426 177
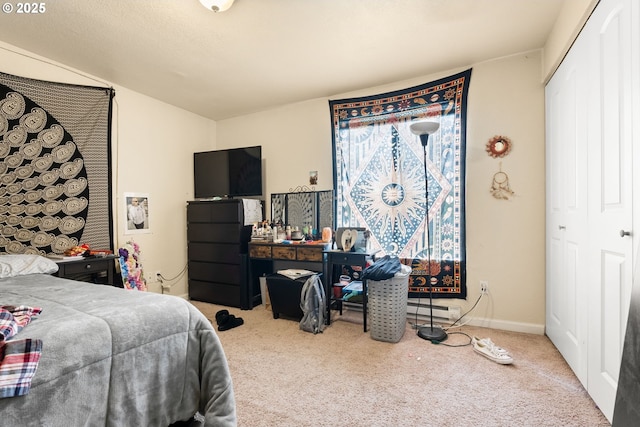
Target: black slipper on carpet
231 321
221 316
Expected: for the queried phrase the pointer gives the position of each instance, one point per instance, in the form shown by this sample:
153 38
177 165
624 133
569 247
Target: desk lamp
423 129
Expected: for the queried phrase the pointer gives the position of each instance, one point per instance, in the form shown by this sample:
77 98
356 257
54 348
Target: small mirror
498 146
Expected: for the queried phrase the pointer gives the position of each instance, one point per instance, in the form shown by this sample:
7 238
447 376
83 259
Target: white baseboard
506 325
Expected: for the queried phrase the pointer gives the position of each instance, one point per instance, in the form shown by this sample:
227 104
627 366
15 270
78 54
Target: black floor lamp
423 129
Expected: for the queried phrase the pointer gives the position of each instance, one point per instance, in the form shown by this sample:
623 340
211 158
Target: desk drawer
347 258
258 251
73 267
310 254
284 252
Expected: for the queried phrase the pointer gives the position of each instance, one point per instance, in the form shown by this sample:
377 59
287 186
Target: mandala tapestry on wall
379 178
54 188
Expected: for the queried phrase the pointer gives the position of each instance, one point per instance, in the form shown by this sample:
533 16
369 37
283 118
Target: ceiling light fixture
217 5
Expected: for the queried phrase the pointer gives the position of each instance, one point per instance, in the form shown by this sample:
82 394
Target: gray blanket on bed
113 357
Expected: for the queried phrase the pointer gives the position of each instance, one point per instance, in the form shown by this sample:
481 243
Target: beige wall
153 145
295 139
572 17
505 239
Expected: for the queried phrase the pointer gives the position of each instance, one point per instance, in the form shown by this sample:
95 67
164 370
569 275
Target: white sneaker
489 343
490 352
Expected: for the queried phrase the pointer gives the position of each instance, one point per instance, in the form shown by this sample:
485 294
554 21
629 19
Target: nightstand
90 269
335 259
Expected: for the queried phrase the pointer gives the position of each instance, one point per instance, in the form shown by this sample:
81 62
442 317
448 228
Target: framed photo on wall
137 213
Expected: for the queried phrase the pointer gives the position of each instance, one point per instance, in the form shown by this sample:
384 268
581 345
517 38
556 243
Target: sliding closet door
566 210
593 105
611 203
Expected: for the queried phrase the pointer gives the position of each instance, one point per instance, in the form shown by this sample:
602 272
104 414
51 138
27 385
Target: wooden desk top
313 243
299 251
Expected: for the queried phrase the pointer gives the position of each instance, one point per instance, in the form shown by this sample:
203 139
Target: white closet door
566 256
611 203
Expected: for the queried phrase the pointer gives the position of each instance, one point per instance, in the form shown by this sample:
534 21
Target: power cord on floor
454 345
459 332
467 312
415 326
163 280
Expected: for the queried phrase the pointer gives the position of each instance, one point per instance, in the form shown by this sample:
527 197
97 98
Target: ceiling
263 53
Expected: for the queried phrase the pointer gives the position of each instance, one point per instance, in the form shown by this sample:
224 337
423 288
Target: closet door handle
624 233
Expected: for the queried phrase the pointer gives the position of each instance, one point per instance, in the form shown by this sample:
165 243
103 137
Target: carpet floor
284 376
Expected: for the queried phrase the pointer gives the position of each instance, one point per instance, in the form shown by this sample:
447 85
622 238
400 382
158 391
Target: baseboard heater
440 312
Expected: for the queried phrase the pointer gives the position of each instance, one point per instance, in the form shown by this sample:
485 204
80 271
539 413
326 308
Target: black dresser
218 254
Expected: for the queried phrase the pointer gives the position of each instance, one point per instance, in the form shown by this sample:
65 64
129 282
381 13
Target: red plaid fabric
14 318
18 364
18 359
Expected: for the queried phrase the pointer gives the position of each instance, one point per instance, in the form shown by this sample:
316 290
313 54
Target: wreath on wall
498 146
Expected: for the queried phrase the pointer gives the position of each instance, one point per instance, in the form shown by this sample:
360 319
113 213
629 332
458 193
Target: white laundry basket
387 305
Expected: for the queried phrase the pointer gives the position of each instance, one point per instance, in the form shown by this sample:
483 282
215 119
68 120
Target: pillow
18 265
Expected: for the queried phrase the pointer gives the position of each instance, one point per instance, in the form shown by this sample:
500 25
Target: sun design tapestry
379 179
55 178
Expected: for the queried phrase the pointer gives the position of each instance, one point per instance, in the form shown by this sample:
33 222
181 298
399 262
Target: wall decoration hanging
500 188
498 146
380 184
55 185
137 211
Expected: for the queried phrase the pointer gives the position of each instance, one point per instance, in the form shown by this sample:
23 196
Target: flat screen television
234 172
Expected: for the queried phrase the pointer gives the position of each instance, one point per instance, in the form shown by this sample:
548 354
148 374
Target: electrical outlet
484 287
159 276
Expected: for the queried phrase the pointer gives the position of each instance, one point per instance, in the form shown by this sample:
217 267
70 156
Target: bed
112 357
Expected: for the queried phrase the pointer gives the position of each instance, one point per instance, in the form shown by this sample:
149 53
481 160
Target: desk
268 257
293 255
336 258
87 268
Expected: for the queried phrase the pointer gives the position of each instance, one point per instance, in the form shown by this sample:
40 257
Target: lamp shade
424 127
217 5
